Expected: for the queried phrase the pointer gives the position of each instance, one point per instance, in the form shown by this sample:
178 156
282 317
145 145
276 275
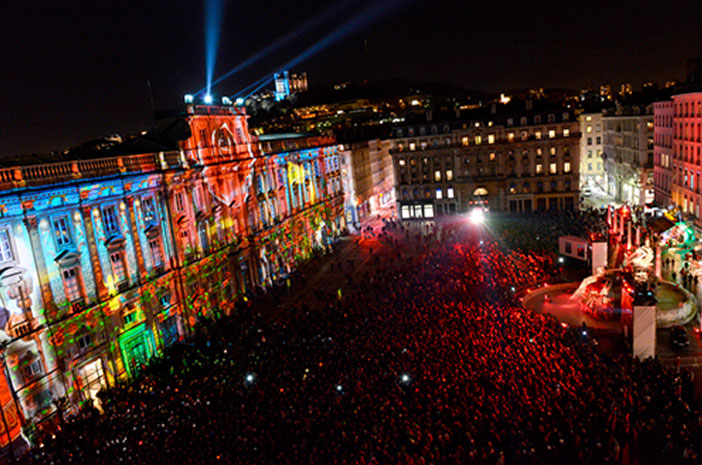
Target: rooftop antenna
151 99
366 74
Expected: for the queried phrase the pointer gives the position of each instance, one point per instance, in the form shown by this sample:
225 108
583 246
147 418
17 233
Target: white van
586 192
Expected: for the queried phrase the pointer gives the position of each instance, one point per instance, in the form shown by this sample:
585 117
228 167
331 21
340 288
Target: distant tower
282 85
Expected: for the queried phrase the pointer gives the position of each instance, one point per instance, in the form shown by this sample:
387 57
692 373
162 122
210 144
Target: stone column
94 255
141 268
35 242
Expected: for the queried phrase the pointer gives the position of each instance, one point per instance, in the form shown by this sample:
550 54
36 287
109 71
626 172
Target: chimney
430 115
529 104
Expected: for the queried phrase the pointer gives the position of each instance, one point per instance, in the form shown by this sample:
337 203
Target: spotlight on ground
477 216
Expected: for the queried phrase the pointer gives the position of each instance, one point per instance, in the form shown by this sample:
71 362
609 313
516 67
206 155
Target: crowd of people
430 360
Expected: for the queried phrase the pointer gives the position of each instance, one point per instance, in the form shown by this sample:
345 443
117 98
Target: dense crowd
541 230
430 360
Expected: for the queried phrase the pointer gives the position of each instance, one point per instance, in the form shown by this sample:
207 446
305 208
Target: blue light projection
213 21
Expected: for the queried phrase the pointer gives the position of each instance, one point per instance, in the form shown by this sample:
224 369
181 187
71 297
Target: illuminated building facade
286 83
663 114
591 140
517 162
106 260
686 153
628 153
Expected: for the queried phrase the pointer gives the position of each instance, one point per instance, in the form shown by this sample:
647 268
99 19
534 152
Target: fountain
605 300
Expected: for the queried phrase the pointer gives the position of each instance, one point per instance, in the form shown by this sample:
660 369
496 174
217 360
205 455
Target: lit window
510 136
61 233
513 189
437 175
552 150
566 132
129 318
109 218
405 212
413 146
33 368
449 192
552 168
429 211
539 151
439 193
539 168
478 140
566 167
118 270
148 209
588 129
85 341
5 247
402 162
71 284
491 138
449 175
179 202
492 156
156 253
588 118
537 135
551 134
525 135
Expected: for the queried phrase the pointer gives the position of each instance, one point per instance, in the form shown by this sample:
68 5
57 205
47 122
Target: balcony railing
48 173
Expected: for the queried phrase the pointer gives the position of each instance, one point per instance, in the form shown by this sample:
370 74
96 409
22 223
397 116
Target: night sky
77 70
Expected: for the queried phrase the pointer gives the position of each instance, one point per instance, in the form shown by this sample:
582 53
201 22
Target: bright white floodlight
477 216
208 99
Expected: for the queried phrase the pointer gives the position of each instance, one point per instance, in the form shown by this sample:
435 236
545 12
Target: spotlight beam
306 27
358 21
214 10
